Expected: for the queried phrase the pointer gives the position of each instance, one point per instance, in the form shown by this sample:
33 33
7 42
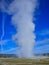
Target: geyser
22 19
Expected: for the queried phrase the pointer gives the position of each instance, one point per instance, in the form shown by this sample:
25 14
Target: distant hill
8 56
44 54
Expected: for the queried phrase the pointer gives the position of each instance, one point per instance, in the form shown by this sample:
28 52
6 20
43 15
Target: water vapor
22 19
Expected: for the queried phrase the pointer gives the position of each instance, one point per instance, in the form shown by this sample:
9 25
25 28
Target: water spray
22 19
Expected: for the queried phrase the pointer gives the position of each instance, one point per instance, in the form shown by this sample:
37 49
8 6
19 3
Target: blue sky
42 27
41 30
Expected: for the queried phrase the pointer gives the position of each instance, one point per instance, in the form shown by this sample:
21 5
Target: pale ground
40 60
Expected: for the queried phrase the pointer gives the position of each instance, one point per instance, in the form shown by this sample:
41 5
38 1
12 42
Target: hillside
8 56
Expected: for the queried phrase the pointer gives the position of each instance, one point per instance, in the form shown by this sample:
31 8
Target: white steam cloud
23 17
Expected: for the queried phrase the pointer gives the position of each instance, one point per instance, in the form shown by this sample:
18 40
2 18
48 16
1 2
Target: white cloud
2 42
44 32
10 50
42 41
43 48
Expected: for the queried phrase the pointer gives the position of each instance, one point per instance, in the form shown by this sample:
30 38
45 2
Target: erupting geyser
22 19
23 16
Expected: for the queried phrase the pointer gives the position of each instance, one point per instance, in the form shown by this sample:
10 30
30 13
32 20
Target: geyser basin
23 61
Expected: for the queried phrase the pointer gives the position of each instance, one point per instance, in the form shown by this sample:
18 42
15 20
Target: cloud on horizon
41 46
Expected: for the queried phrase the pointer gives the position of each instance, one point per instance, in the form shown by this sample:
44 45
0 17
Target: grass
23 61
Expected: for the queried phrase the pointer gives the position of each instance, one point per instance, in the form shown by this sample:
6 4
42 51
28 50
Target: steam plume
23 17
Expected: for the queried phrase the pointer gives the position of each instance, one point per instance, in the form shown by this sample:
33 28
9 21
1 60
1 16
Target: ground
23 61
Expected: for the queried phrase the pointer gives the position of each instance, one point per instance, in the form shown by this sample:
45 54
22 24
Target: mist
22 12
